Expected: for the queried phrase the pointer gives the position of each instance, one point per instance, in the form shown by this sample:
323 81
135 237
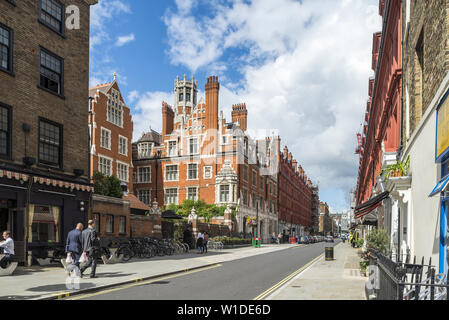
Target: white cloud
121 41
305 69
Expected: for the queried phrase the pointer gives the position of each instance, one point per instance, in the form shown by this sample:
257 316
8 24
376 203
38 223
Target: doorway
5 223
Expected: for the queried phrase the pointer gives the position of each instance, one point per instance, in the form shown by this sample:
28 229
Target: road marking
140 282
288 278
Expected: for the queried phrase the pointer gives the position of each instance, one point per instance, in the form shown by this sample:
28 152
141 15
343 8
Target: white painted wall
425 215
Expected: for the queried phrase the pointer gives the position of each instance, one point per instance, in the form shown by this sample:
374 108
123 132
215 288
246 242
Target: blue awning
440 187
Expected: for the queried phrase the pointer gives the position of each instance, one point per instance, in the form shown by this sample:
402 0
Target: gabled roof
151 136
136 203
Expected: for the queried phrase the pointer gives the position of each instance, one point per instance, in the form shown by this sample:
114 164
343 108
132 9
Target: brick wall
103 206
28 102
146 226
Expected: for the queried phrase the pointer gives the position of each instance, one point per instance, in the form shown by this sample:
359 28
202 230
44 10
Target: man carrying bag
91 247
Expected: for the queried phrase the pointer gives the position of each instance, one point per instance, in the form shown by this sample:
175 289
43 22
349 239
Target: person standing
279 238
90 247
74 247
187 238
199 242
205 241
8 247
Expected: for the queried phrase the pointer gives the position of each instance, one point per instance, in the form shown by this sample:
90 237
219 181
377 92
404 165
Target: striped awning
45 181
370 205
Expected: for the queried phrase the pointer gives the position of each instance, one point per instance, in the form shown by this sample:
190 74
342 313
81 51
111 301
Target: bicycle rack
113 258
8 270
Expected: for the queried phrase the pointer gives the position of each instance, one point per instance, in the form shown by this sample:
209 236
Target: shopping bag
69 259
83 257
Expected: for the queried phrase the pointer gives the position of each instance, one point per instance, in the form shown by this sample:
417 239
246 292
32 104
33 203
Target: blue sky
302 67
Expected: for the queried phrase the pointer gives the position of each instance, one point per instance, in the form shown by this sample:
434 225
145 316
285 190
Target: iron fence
396 280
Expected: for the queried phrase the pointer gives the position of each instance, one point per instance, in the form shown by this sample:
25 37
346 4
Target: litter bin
329 253
292 240
257 242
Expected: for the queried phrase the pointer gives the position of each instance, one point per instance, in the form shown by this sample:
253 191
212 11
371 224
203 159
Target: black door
4 220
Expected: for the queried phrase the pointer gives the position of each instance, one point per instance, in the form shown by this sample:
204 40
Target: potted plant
399 169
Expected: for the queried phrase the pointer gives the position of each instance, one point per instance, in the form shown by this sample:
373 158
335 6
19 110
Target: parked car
304 240
329 239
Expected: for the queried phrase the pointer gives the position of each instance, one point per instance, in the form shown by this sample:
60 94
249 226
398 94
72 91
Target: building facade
44 141
422 194
295 199
199 155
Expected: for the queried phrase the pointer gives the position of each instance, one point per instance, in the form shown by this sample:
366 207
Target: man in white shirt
8 249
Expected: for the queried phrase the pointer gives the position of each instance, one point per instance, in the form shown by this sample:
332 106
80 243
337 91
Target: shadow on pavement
61 287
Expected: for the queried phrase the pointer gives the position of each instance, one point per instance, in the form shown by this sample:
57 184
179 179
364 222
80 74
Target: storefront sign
442 143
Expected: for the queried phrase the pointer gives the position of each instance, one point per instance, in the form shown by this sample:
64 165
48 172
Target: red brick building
380 140
201 156
295 196
111 129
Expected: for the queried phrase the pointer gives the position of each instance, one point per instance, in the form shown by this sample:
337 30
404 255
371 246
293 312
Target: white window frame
197 171
196 193
165 195
197 145
149 150
229 193
254 178
127 171
211 172
111 165
116 106
139 180
177 170
120 137
110 138
139 193
172 154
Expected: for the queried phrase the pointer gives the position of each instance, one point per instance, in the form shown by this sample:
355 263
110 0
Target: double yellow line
287 279
139 282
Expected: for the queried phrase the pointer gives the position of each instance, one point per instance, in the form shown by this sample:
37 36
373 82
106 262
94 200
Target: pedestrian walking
8 249
279 238
91 247
75 248
274 238
199 242
205 241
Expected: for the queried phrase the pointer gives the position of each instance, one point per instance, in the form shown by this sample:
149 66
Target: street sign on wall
442 135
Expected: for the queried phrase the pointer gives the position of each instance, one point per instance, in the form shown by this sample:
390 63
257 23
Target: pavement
43 283
339 279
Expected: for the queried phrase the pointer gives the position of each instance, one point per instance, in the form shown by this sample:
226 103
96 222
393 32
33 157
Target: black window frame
10 69
62 31
12 2
61 144
8 156
61 84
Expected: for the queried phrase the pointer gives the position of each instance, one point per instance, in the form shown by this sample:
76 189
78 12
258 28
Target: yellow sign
443 129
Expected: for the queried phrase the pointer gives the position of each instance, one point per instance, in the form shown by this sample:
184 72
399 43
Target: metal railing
395 280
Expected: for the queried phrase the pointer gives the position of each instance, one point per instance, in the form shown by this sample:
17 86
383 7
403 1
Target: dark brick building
44 141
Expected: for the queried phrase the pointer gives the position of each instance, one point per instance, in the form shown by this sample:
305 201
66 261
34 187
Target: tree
109 186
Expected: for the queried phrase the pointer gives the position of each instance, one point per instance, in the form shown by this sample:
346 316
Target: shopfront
441 188
40 212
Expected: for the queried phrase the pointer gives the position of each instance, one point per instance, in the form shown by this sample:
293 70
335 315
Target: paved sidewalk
50 282
327 280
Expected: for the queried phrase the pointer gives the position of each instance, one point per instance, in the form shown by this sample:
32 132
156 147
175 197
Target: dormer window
145 149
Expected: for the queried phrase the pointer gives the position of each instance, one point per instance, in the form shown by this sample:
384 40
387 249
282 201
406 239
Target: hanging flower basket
251 222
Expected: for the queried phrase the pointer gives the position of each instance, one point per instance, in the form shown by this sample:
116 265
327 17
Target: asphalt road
242 279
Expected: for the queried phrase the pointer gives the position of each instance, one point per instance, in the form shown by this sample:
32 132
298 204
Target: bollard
329 253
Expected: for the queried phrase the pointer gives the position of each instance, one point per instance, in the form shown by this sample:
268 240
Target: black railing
392 280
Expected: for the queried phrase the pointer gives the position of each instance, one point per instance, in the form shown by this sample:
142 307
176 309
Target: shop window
44 224
96 218
109 223
122 225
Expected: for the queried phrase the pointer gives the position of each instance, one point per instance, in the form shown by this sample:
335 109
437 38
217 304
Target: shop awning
440 187
370 205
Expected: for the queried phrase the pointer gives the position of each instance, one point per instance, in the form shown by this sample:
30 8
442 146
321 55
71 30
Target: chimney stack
212 93
168 117
285 152
240 114
295 165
